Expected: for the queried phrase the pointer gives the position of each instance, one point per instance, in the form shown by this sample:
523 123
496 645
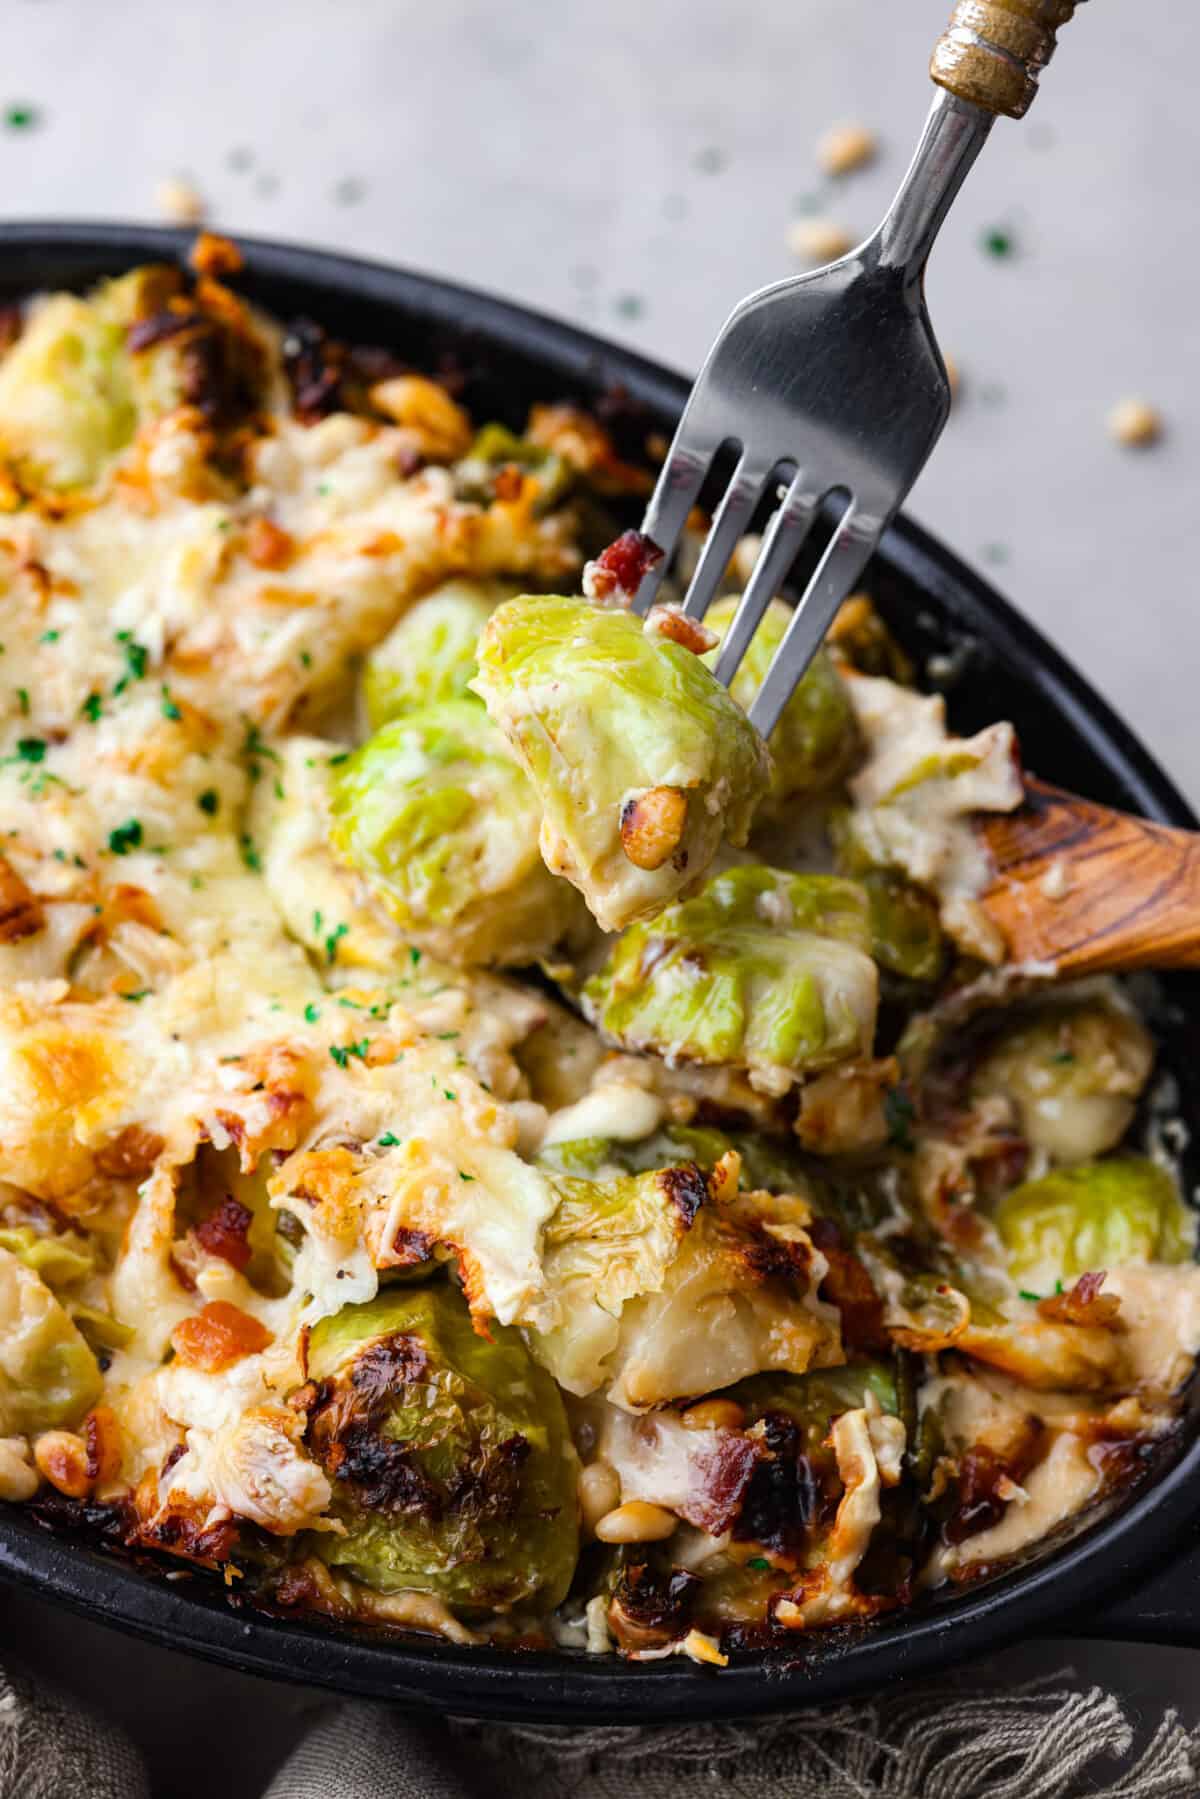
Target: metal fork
836 376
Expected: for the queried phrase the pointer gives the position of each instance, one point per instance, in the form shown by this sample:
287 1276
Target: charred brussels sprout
495 449
48 1375
435 816
430 655
449 1453
816 735
1097 1215
641 762
765 970
1074 1072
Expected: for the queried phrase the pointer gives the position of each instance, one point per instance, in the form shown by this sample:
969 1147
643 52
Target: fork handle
993 51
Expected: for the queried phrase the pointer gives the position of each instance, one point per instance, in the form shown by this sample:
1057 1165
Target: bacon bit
673 622
986 1480
21 911
62 1458
131 1154
508 483
268 545
313 363
617 573
102 1441
410 1248
143 334
213 256
225 1232
849 1287
652 825
217 1336
1082 1304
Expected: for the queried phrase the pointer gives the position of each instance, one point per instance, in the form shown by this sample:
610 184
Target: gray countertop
635 165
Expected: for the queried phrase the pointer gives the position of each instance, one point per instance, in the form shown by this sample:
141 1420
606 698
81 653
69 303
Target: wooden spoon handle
993 51
1091 889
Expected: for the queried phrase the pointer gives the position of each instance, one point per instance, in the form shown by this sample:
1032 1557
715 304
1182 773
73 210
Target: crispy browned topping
21 912
689 633
215 256
652 825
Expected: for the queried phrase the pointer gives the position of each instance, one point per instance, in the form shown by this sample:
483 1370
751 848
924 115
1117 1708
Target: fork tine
675 492
836 576
729 524
780 546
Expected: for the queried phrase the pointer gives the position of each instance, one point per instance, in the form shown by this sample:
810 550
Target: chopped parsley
306 658
312 1011
334 938
414 956
256 750
21 117
23 700
126 837
133 998
998 242
92 708
250 855
1033 1298
208 801
388 1141
1064 1058
342 1053
465 1177
446 1094
169 708
136 658
760 1564
31 749
49 636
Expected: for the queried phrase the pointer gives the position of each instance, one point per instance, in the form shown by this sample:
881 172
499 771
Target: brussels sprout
814 1400
906 937
66 394
765 970
816 734
48 1375
59 1258
1074 1071
442 825
666 1289
449 1452
1097 1215
496 448
641 761
608 1242
430 655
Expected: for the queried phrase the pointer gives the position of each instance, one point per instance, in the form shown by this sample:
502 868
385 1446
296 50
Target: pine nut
636 1522
713 1414
1135 423
599 1493
844 148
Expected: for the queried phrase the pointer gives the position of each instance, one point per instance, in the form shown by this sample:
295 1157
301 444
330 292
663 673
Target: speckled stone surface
635 165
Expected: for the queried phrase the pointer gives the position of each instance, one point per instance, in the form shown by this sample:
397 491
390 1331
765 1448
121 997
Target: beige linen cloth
1050 1740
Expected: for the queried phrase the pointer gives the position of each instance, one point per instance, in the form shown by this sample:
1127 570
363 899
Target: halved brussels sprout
58 1257
449 1452
641 761
814 1400
430 655
1074 1070
816 734
439 821
667 1288
66 393
906 936
762 969
608 1241
496 448
1098 1215
48 1375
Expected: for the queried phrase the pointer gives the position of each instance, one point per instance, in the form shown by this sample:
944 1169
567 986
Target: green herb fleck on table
998 242
21 116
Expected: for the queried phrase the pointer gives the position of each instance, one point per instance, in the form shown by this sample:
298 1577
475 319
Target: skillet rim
1102 1561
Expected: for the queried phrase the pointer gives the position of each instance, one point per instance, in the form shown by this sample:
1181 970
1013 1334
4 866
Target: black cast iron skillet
1133 1572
